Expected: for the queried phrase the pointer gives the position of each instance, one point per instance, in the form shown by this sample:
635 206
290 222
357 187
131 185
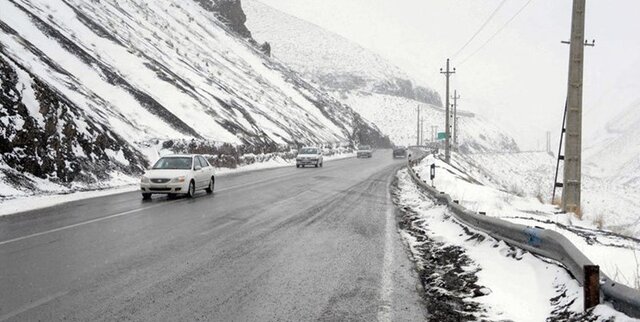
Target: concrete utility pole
573 141
447 126
421 131
548 142
455 118
418 126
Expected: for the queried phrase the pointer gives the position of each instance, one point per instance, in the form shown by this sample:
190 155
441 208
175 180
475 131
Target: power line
496 33
480 29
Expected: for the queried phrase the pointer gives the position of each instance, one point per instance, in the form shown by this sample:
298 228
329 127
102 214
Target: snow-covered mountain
328 59
86 86
397 117
377 90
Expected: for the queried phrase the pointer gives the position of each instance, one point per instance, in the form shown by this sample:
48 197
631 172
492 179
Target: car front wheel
192 190
211 186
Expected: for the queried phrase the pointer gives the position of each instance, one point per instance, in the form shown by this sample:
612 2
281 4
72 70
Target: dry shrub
599 221
578 213
539 196
516 190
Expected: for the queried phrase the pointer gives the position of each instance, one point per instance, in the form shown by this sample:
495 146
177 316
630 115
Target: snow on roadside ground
51 194
617 255
606 202
468 275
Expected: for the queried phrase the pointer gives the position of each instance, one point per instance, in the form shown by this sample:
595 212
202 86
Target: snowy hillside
87 86
613 153
606 204
472 180
396 116
328 59
376 89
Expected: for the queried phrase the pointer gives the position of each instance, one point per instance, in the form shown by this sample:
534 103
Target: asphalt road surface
275 245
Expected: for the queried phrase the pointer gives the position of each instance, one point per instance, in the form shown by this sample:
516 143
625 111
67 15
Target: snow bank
618 256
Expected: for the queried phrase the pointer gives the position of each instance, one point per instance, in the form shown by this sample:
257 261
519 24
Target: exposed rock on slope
230 13
110 76
329 59
46 135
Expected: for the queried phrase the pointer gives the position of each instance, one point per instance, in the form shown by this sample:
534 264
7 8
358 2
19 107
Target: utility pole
455 118
573 142
418 126
548 147
421 131
434 133
447 126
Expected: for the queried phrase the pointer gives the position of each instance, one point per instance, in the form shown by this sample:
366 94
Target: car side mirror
198 168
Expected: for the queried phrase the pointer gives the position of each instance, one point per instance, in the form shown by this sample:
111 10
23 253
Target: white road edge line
79 224
129 212
32 305
386 290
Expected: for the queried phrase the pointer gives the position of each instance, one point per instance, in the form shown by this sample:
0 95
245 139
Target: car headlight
178 179
144 179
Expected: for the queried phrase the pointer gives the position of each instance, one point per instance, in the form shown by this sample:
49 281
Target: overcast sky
518 78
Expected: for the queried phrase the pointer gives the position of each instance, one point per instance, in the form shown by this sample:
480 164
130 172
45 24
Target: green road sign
442 135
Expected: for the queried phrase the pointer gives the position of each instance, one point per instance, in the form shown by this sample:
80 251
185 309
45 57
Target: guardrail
540 241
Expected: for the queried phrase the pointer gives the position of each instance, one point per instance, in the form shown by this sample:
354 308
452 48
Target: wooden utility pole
455 118
573 141
447 117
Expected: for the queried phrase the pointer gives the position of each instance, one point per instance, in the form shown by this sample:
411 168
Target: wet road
275 245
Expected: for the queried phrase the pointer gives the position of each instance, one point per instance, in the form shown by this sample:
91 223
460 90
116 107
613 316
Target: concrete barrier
546 243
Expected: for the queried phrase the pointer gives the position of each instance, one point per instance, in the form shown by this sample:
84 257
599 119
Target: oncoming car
364 151
309 156
178 175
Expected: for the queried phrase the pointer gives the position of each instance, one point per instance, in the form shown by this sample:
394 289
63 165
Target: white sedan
178 174
309 156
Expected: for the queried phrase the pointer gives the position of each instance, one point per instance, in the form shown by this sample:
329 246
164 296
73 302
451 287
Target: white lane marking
80 224
257 182
208 231
386 291
134 211
32 305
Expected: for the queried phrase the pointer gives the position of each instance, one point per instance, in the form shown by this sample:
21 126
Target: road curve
284 244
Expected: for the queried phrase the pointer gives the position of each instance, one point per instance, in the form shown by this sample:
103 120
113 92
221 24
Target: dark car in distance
399 152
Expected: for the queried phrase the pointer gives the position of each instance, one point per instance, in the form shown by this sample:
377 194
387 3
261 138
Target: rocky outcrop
230 13
45 135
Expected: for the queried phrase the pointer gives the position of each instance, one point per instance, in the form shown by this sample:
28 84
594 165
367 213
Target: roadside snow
514 285
28 203
618 256
24 201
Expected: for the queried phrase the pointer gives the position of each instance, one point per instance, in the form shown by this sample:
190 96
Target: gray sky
520 77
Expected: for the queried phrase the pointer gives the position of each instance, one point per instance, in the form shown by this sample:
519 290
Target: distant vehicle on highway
399 152
178 175
364 151
309 156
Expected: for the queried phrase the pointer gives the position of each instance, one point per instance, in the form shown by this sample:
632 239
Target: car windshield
182 163
364 147
309 151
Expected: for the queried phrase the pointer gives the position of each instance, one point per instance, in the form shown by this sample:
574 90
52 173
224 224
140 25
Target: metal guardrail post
546 243
591 286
